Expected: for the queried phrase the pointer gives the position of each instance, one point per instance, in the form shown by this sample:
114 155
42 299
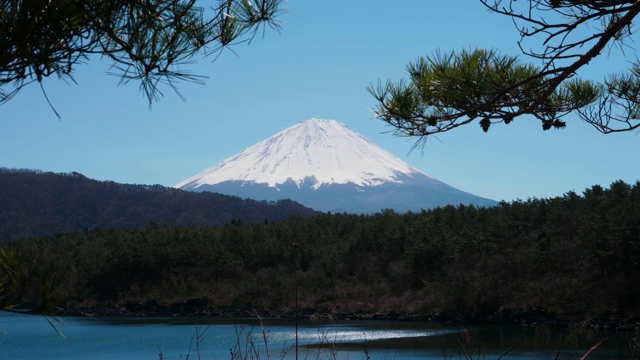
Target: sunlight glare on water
24 337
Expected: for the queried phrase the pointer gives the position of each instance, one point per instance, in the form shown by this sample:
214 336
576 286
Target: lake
124 338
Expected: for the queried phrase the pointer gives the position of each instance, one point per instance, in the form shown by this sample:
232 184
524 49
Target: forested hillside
572 257
37 203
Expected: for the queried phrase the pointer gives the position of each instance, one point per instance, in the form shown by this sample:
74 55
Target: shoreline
197 309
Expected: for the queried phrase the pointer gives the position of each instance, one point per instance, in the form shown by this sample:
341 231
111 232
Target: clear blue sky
317 66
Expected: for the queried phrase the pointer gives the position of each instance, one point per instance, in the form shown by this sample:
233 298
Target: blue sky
317 66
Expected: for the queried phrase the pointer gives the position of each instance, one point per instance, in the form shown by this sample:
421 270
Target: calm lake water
31 337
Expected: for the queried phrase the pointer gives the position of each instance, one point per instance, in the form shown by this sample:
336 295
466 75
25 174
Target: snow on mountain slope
322 151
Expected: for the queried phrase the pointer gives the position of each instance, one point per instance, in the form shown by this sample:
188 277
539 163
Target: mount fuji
325 165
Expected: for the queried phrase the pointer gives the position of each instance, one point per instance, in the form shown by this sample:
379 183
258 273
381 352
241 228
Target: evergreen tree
451 89
146 41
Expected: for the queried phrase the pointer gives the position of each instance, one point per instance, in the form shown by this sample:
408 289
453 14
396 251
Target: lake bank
200 308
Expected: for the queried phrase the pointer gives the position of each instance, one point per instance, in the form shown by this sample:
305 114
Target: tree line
574 257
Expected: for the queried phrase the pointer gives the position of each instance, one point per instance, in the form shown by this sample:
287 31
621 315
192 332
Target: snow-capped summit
317 150
327 166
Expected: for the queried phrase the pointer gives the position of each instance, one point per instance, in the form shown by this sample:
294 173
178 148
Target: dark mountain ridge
36 203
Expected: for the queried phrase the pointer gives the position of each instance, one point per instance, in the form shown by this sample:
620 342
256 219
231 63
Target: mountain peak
327 166
314 152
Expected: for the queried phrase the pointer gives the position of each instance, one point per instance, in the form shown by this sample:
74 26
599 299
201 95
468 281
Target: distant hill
35 203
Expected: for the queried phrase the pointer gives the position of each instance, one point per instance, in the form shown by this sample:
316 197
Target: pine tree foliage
451 89
147 41
28 277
